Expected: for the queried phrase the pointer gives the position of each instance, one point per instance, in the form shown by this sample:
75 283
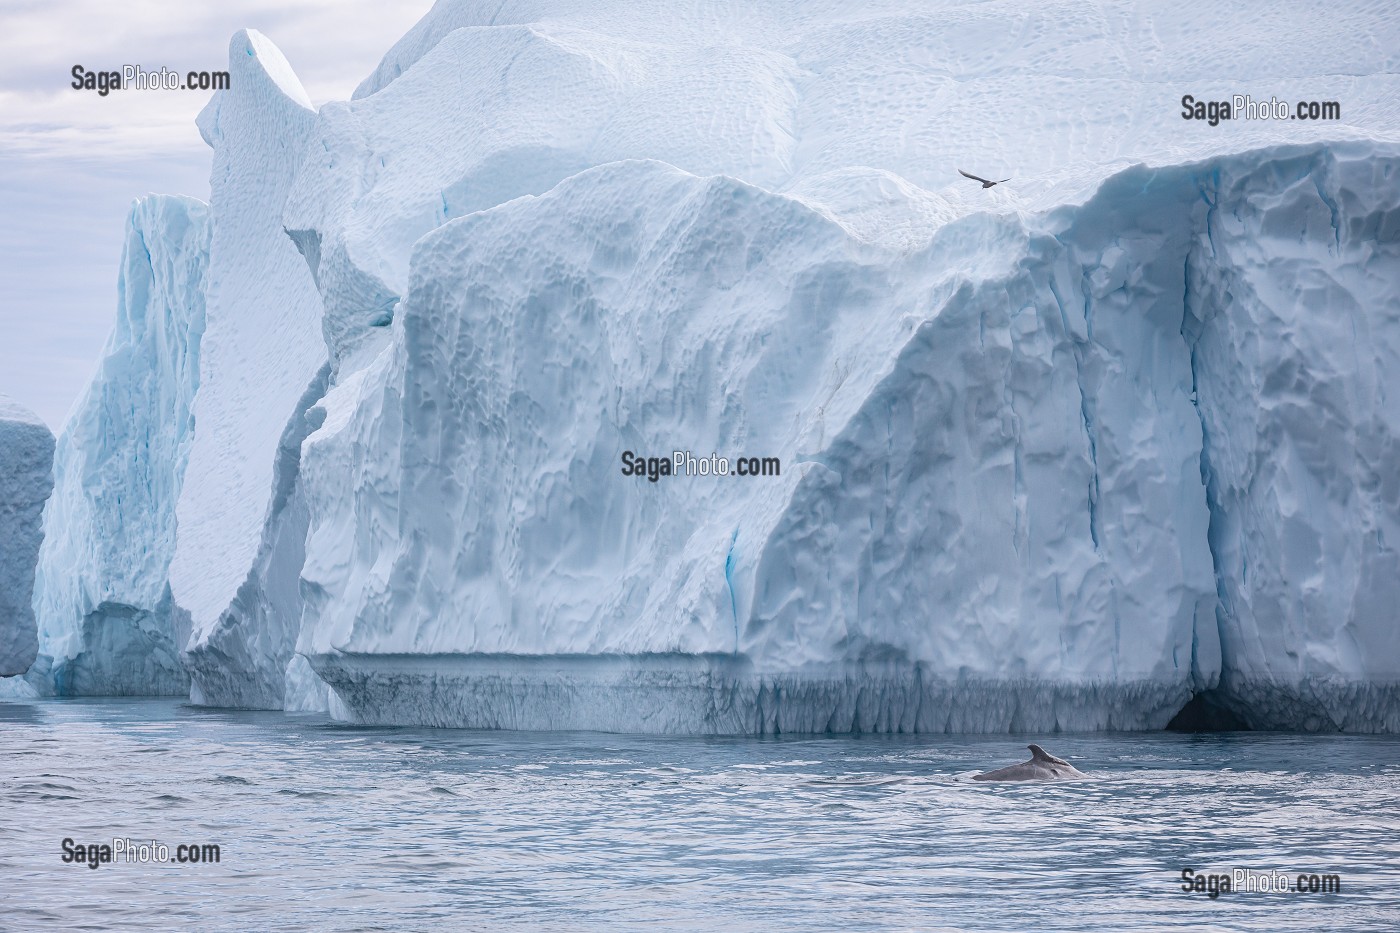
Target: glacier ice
26 480
261 353
1063 454
1292 322
998 482
995 513
107 623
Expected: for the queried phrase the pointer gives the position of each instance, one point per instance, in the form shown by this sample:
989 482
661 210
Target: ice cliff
1012 486
26 479
107 622
1065 454
1293 322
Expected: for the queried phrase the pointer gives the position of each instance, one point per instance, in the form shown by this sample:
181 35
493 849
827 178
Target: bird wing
1003 181
973 177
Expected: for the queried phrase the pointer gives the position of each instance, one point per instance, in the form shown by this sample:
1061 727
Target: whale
1043 766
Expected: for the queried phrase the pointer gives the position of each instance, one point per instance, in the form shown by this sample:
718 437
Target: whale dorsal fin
1040 754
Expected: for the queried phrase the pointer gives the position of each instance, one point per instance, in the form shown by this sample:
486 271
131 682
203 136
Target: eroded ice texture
26 479
997 510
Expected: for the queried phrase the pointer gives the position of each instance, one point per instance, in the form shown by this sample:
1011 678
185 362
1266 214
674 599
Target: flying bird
985 182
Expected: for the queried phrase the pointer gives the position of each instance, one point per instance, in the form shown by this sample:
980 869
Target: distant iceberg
107 624
26 480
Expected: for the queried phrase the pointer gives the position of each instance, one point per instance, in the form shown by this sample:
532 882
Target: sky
71 162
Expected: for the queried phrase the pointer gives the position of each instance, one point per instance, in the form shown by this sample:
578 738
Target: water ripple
346 828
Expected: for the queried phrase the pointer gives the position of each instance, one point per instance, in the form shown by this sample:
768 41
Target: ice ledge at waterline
721 694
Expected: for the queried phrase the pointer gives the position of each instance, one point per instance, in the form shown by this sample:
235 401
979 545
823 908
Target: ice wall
1000 509
26 479
1293 318
997 508
107 624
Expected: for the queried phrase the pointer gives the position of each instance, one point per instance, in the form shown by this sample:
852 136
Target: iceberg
26 480
1084 451
107 622
999 507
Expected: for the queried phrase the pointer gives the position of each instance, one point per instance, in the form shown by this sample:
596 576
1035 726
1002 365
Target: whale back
1043 766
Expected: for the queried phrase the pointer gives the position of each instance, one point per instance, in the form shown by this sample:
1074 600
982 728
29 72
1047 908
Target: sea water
320 825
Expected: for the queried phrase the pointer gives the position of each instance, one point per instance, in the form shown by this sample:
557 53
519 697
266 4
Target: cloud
331 44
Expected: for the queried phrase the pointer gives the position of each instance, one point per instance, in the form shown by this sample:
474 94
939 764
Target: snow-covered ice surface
26 479
1061 454
107 624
